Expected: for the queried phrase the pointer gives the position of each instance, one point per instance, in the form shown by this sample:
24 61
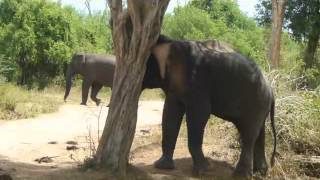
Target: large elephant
96 70
203 78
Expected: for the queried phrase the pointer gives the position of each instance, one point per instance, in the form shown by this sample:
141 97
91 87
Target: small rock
72 142
53 142
72 148
45 159
144 131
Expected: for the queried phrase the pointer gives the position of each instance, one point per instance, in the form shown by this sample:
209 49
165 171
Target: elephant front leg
85 90
197 118
94 91
171 121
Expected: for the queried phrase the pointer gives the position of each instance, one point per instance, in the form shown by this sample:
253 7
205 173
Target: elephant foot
164 163
201 167
261 169
242 172
84 104
98 101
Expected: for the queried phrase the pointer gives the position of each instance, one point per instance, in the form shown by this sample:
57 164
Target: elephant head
155 71
76 66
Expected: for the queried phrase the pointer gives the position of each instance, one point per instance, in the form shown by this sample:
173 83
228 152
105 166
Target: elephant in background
200 78
96 70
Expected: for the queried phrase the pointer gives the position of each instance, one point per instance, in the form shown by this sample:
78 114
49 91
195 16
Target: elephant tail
272 113
68 82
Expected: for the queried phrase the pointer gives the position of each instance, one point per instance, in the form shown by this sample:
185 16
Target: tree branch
115 8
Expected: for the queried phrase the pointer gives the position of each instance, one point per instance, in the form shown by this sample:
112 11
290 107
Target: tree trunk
277 21
313 41
87 3
135 30
23 65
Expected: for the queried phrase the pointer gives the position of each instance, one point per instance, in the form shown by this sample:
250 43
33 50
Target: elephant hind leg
249 131
259 160
94 91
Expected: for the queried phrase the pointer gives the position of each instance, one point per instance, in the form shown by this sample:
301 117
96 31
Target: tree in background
35 36
38 37
278 7
88 5
135 31
302 20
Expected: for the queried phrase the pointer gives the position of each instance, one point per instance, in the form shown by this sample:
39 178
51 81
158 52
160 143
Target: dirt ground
76 127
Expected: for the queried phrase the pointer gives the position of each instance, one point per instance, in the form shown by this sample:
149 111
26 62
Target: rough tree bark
277 21
135 30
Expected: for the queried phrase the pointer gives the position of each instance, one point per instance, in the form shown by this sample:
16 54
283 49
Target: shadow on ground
183 170
17 170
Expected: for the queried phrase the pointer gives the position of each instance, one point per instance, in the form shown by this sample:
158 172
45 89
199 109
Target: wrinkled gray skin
96 70
203 78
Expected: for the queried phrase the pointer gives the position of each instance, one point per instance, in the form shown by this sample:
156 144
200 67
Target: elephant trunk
69 76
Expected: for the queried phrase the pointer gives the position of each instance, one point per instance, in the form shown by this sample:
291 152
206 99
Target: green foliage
38 38
302 19
300 16
264 13
32 30
226 11
198 24
93 34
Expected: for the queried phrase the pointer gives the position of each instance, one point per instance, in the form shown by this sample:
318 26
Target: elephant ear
82 59
161 52
78 62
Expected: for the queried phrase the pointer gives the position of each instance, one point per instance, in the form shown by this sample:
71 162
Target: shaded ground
23 141
221 151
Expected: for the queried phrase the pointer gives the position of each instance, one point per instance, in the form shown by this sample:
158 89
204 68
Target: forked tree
135 29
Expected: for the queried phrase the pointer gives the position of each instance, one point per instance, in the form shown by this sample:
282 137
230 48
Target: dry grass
17 103
152 94
298 126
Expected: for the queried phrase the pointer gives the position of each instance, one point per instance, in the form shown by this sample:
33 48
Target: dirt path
23 141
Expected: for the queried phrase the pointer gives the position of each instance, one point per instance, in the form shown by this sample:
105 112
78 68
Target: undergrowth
17 102
298 126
